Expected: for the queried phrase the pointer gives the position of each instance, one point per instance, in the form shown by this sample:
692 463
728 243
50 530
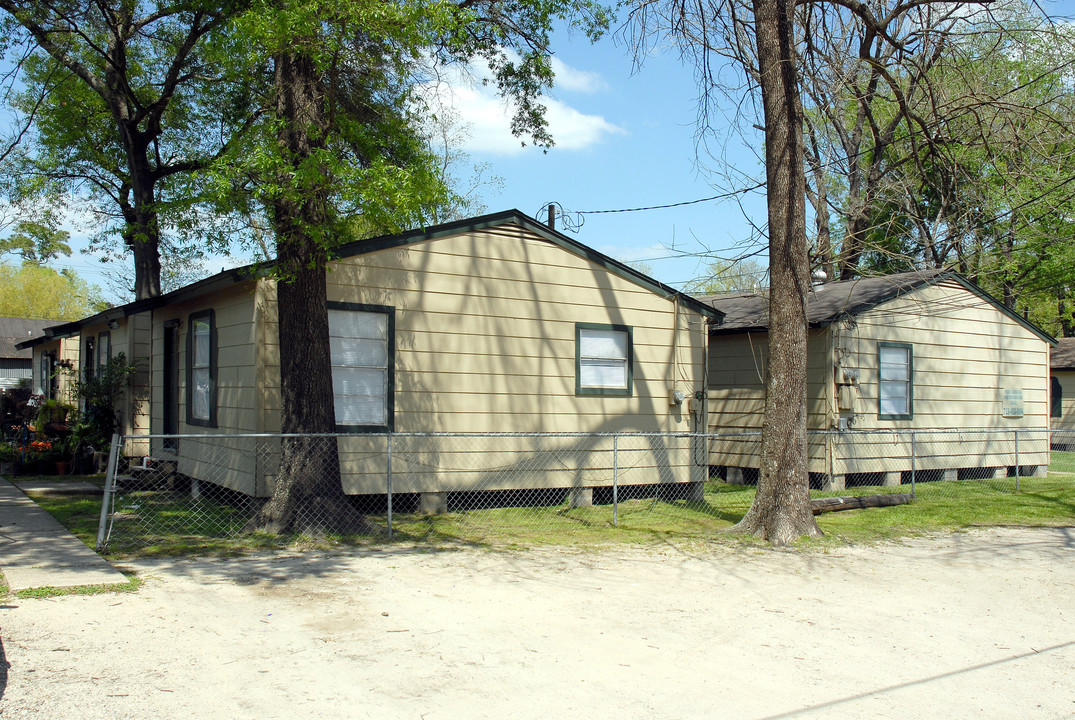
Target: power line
575 224
722 196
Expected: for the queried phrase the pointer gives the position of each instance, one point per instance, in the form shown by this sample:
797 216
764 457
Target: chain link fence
522 487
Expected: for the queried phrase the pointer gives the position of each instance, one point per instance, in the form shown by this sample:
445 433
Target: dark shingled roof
829 302
825 303
1063 357
16 330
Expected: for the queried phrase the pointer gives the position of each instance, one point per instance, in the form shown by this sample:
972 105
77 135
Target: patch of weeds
50 592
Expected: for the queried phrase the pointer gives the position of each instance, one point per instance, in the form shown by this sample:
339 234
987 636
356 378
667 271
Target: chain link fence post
1018 469
110 488
914 462
615 480
389 485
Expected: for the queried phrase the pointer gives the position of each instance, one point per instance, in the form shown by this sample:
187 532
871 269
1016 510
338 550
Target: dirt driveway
976 625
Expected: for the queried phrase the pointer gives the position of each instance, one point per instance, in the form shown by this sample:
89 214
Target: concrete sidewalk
36 551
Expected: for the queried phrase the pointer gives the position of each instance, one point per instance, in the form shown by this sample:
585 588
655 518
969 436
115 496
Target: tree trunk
307 495
142 231
781 510
1063 312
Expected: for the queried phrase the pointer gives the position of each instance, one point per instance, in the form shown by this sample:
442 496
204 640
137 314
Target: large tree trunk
142 231
307 495
781 510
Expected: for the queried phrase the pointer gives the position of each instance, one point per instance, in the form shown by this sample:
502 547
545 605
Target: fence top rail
710 435
935 431
208 436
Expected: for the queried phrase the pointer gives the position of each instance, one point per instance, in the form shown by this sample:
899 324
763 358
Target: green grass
947 506
1062 462
49 592
152 523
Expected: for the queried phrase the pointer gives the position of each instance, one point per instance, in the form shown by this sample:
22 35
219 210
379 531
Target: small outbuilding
1062 393
920 351
16 365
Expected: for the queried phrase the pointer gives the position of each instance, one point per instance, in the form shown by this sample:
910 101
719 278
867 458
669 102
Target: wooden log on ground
835 504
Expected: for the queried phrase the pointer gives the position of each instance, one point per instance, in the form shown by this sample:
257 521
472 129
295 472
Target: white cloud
487 117
582 81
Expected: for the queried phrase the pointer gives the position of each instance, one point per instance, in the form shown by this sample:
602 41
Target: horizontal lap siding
737 366
450 464
885 452
66 349
485 342
139 353
133 338
737 380
485 336
1066 421
229 462
966 352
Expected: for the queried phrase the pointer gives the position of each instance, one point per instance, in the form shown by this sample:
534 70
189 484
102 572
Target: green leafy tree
31 291
959 155
36 242
730 276
341 140
118 104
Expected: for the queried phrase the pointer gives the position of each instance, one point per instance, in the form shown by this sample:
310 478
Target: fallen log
835 504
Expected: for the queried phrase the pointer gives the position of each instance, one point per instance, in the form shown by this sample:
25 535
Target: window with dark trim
45 370
104 350
1056 397
362 348
201 369
604 357
895 386
89 362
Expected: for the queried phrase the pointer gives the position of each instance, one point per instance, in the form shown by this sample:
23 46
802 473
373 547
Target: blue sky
624 139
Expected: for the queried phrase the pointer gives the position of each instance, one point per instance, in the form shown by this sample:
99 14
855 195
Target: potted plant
41 456
84 440
52 416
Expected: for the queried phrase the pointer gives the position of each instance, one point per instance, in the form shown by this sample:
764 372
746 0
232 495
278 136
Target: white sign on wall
1012 402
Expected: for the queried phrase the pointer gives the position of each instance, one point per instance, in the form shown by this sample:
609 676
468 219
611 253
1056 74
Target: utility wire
575 219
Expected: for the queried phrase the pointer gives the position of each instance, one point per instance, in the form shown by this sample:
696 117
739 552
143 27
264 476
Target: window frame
89 363
211 421
591 390
1056 397
389 312
104 339
44 369
910 381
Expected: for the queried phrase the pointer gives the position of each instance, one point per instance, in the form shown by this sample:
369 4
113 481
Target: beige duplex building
496 324
922 351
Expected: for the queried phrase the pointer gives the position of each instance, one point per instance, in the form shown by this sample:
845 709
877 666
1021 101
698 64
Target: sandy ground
976 625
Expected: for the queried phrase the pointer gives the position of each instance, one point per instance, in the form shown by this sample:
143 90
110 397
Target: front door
171 387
